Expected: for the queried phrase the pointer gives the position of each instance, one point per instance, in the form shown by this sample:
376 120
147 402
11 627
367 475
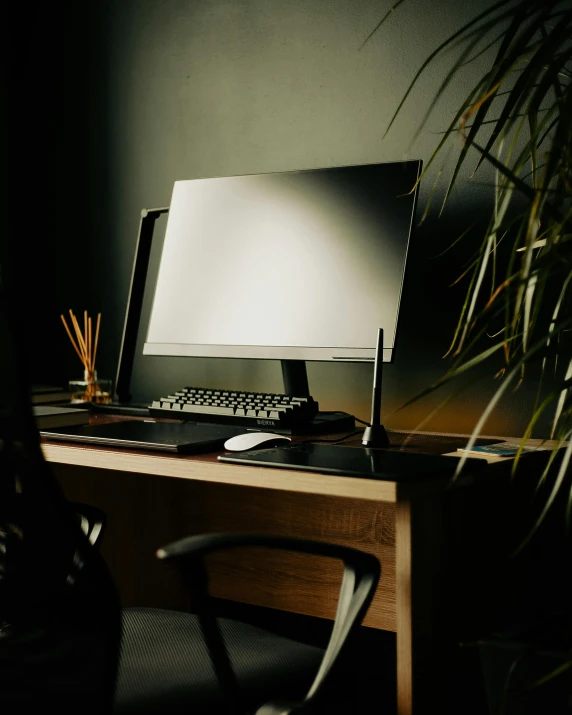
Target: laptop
177 437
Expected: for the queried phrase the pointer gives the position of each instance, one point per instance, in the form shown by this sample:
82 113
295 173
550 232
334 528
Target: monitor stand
122 403
295 378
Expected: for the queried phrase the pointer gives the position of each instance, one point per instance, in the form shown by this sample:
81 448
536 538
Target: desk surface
206 468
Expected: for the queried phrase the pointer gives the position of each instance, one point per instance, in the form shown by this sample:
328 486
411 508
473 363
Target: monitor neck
295 378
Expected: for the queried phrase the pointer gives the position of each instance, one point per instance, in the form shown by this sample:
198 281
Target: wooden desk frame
407 530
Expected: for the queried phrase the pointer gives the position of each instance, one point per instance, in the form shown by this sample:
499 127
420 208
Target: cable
338 439
354 433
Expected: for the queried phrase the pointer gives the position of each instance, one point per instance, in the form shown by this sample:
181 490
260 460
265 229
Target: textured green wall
181 89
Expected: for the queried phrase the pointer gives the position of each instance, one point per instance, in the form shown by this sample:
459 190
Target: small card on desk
500 449
383 464
178 437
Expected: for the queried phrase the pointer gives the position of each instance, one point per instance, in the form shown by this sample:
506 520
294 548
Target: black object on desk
178 437
135 302
375 435
380 464
121 404
135 409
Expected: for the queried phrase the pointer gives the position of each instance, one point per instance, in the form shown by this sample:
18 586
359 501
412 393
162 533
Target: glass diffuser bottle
90 389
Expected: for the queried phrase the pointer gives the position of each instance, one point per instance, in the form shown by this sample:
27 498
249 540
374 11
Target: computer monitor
294 266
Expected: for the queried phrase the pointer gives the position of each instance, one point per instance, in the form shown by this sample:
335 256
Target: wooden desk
152 499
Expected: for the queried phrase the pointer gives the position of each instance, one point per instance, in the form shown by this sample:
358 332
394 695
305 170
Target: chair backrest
59 608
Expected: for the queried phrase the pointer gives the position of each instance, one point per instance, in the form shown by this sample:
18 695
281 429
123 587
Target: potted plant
515 123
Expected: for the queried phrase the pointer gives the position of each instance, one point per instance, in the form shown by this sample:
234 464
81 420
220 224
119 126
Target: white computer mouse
252 440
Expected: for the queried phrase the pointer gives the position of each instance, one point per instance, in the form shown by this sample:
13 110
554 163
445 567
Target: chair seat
165 666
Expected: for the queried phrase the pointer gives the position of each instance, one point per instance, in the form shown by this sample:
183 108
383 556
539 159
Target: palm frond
516 117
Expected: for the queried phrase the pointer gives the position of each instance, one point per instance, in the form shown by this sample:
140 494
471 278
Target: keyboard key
208 409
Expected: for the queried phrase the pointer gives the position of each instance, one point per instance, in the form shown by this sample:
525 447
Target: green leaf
391 10
528 78
516 116
553 493
444 45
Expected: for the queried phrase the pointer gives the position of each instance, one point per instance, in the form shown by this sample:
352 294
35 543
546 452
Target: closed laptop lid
146 434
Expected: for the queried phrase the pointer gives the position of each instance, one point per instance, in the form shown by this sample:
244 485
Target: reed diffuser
90 389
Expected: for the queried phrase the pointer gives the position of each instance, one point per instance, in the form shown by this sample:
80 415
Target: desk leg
443 566
420 657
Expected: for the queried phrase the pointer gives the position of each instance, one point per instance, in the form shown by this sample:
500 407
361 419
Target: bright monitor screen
298 265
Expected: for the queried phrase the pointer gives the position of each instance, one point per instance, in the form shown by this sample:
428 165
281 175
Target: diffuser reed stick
85 348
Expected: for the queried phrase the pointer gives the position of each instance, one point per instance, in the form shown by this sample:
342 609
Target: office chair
199 661
64 639
234 667
60 616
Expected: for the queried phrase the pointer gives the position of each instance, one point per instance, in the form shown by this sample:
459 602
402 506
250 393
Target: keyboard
248 409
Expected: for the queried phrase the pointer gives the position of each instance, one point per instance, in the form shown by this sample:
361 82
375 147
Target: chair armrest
360 578
204 544
92 521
